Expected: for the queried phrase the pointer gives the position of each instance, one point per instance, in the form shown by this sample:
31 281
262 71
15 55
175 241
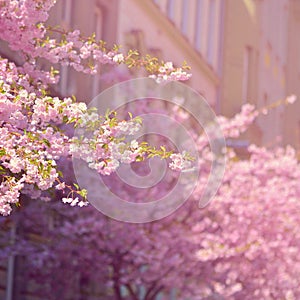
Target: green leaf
83 193
139 158
2 170
2 152
139 120
46 142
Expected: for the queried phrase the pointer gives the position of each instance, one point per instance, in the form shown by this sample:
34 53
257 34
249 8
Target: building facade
261 66
174 31
291 118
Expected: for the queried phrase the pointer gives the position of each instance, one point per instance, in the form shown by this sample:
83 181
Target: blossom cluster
251 228
104 149
240 122
180 161
32 139
26 21
167 72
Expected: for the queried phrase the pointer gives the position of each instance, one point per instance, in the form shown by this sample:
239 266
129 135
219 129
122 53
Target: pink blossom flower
291 99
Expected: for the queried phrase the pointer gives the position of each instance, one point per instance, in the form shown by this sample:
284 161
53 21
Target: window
66 21
63 84
198 24
184 17
208 31
250 74
211 37
171 9
246 74
66 11
98 22
98 25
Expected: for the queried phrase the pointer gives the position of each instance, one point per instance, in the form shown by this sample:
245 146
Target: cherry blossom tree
31 119
242 246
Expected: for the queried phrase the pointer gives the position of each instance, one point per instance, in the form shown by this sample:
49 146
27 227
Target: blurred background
240 51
